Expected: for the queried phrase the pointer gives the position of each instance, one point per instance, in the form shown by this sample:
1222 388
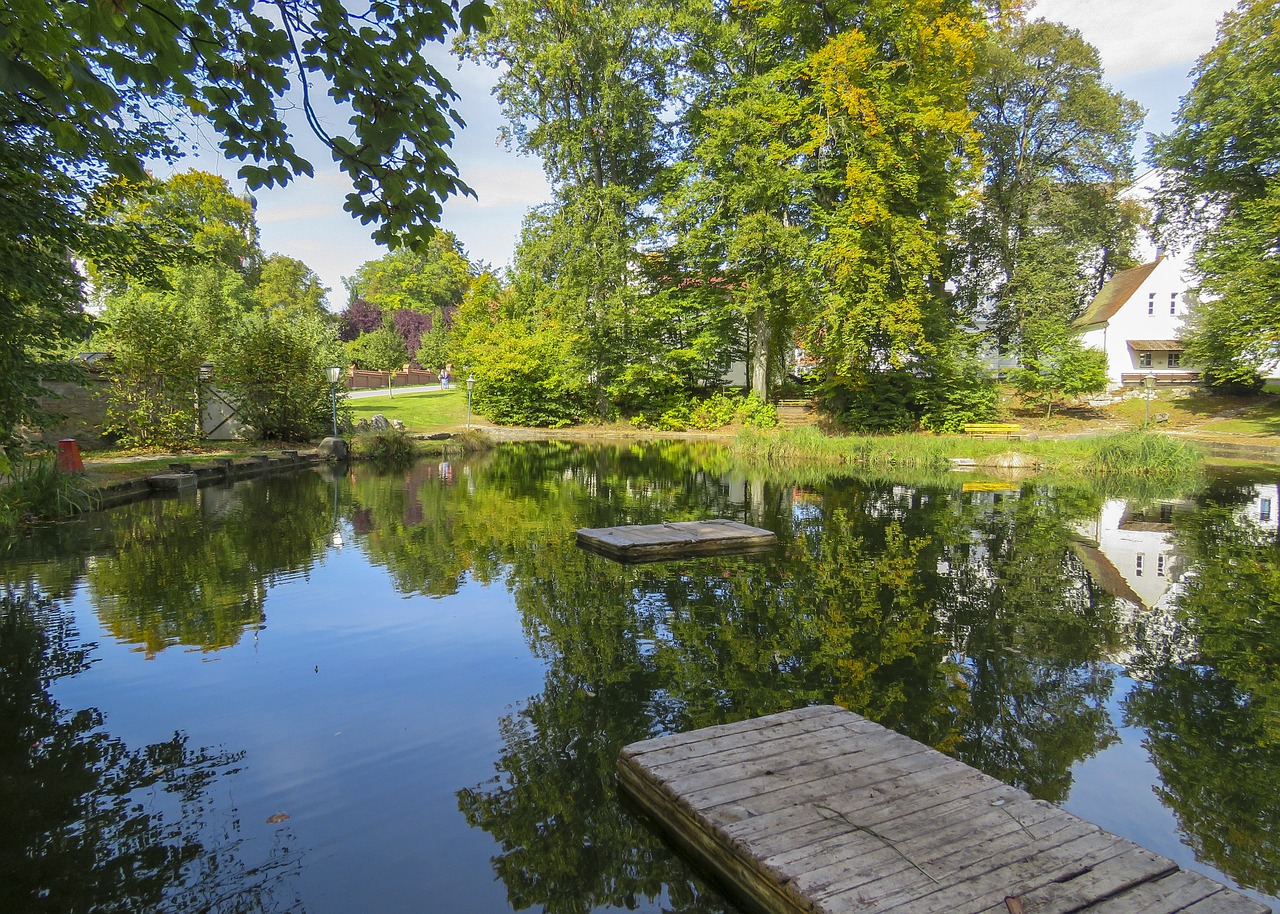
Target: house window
1151 303
1264 509
1166 514
1138 564
1175 359
1144 360
1160 566
1173 302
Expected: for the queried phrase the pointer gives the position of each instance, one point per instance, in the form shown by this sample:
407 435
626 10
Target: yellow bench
993 430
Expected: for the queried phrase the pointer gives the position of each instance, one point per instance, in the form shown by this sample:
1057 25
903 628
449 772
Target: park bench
992 430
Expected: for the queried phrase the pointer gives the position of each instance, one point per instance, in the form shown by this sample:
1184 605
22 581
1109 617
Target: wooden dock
655 542
821 810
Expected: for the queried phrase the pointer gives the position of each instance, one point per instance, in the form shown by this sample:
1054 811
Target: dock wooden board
655 542
821 811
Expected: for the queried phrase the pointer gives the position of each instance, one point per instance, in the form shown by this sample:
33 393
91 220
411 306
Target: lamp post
332 373
1148 385
471 385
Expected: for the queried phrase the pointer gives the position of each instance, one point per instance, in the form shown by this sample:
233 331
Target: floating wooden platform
655 542
820 810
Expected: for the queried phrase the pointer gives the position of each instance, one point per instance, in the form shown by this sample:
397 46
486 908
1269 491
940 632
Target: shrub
39 489
389 448
717 411
273 366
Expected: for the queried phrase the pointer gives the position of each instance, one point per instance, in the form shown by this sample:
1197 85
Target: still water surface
362 691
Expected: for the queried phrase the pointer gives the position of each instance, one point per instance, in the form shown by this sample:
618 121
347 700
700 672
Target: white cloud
1137 35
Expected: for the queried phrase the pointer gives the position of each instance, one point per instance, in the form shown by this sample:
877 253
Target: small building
1136 319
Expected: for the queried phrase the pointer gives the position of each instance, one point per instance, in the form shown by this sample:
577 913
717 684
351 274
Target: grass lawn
428 411
1201 413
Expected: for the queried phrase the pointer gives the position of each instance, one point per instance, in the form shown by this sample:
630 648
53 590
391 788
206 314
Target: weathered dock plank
655 542
821 811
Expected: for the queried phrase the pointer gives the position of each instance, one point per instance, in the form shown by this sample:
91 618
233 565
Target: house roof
1156 345
1112 296
1104 574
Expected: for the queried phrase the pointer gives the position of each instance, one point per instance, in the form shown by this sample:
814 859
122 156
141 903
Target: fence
359 379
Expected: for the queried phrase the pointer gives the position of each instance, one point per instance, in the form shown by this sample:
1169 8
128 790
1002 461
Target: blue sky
1147 50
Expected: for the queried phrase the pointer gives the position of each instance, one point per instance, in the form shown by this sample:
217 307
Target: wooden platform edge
709 850
676 540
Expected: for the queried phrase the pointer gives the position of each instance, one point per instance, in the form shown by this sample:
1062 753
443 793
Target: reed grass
37 489
1131 456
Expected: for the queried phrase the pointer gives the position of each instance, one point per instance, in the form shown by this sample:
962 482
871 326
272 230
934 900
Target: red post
69 456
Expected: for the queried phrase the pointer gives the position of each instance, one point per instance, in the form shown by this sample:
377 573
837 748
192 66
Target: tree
159 340
163 321
530 366
432 280
882 124
738 210
290 285
88 93
359 317
1056 365
1057 153
590 94
411 326
381 350
40 289
1222 188
81 74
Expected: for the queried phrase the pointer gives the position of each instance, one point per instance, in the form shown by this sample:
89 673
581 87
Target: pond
351 690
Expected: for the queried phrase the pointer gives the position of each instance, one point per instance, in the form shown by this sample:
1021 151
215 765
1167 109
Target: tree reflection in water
1209 696
969 626
89 824
966 620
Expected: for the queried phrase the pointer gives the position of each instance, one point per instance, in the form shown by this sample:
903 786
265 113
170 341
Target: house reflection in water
1129 552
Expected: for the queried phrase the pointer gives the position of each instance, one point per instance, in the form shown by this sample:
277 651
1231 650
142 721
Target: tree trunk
759 353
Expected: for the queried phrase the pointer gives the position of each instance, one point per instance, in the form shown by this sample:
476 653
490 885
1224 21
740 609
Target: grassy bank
1113 459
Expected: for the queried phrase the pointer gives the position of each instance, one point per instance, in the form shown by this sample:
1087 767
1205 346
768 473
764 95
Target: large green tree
1222 167
1057 145
212 299
738 210
587 87
159 340
287 284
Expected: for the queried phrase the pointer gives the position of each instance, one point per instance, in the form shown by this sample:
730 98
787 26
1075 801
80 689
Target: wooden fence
359 379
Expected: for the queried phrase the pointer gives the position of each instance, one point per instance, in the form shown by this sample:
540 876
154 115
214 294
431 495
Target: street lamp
1148 385
331 374
471 385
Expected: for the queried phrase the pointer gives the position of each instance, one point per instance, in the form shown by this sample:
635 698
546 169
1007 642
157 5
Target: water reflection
88 823
1000 622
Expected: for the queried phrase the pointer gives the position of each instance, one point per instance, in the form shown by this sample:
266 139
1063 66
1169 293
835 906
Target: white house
1136 320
